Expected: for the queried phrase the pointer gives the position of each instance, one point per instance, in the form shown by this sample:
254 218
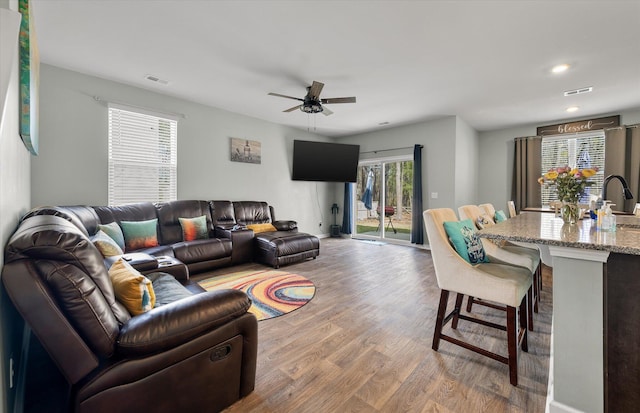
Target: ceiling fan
312 103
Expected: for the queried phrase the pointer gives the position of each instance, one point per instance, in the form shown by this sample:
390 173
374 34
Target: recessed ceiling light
560 68
572 109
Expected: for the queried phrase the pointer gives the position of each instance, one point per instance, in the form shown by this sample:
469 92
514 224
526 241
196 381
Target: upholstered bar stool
506 285
488 209
543 254
511 255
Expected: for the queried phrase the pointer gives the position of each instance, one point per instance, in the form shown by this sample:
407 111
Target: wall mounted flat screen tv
324 161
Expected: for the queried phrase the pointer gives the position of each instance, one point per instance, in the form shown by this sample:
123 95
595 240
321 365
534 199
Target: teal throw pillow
500 216
466 242
106 245
140 234
194 228
114 231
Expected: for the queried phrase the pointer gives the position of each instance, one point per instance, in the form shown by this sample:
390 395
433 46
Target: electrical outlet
11 373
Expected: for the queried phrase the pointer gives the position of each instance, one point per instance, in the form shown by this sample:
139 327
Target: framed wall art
29 78
9 31
245 150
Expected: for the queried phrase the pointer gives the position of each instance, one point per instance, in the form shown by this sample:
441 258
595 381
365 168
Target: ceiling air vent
578 91
156 79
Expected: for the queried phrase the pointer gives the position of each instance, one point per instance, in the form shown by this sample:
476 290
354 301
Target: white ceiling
405 61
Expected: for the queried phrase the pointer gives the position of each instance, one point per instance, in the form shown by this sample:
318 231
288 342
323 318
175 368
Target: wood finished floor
363 344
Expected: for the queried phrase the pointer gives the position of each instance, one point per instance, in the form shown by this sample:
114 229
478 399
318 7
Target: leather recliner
284 246
195 354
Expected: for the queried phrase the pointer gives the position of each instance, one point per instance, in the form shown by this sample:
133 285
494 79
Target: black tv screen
324 161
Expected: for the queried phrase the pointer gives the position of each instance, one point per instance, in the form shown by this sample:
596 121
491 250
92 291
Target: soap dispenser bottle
611 219
600 224
607 216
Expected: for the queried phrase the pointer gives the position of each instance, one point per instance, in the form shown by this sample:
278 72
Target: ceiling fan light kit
312 103
311 107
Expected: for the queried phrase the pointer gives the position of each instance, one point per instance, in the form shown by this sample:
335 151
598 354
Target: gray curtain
622 152
417 226
527 165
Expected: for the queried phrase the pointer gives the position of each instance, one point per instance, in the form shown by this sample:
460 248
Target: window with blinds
143 157
580 151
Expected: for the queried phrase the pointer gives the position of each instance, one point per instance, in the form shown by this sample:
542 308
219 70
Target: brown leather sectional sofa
195 354
229 242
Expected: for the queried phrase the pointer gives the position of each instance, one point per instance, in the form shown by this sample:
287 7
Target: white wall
495 155
466 164
72 165
449 157
438 138
438 154
14 202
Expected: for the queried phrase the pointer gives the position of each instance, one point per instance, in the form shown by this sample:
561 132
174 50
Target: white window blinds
142 156
578 151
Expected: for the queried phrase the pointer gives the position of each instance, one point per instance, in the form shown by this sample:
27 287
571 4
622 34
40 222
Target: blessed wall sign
579 126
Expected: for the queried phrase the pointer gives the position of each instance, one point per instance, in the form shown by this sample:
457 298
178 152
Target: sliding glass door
383 199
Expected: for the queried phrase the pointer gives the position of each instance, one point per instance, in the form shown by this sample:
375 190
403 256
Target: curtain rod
624 126
393 149
179 115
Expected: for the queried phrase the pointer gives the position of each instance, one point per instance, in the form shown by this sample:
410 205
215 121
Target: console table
596 284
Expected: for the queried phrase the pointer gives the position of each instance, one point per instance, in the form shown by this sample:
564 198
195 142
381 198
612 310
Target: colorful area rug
273 293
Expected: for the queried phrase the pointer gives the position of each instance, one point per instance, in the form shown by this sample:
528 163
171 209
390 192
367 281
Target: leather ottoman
285 247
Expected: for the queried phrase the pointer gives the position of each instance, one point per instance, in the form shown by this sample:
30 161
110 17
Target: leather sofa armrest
223 230
226 230
172 324
285 225
138 260
242 242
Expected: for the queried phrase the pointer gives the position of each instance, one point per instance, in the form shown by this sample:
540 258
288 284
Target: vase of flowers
569 184
570 212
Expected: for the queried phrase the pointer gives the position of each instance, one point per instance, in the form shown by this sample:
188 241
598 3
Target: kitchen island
595 363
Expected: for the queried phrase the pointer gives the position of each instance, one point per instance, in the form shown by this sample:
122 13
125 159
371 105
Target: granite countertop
546 229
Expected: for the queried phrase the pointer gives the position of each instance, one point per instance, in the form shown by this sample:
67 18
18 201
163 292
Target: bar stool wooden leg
456 311
539 279
516 336
469 303
537 275
512 345
523 327
442 308
529 312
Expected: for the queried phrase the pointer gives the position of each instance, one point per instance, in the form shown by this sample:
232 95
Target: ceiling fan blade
285 96
315 89
326 111
351 99
292 109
